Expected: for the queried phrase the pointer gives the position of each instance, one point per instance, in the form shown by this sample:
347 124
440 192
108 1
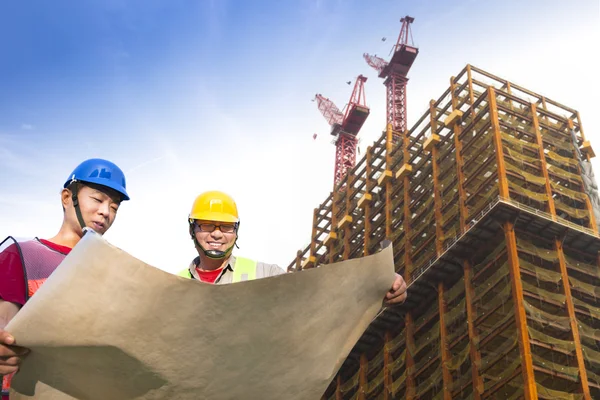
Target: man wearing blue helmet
90 198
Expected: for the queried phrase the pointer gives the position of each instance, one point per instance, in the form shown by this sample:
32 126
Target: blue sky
188 96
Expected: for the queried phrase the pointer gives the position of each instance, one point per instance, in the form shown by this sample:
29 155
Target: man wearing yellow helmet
213 225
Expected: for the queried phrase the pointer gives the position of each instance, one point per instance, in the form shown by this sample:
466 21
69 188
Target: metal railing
548 216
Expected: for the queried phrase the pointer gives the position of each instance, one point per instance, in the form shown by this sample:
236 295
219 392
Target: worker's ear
65 198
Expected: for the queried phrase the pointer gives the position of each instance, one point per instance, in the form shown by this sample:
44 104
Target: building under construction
489 202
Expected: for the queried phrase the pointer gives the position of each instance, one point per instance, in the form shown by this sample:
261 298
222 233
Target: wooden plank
530 389
367 208
387 360
462 197
502 181
573 320
362 377
538 137
473 334
445 354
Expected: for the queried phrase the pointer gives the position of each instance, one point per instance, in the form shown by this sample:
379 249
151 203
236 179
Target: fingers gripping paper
108 326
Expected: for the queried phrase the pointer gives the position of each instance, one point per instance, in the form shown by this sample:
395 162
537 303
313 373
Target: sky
189 96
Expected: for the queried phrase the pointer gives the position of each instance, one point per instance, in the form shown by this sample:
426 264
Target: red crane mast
395 74
345 127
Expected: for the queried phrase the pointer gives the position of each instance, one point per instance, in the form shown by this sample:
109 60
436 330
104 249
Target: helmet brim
103 182
214 216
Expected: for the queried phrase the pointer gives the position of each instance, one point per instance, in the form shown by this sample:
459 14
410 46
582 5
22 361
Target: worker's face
217 239
98 205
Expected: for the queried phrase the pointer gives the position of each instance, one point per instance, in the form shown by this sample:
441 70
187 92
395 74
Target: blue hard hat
101 172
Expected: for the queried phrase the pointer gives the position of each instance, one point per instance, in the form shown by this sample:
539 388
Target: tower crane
395 73
345 126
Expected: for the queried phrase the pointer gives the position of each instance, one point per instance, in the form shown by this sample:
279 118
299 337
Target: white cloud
263 153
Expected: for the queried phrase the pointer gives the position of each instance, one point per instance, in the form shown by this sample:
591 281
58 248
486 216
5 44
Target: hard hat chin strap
216 254
74 190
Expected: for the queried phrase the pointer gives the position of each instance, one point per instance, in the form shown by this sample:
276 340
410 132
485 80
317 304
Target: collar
192 267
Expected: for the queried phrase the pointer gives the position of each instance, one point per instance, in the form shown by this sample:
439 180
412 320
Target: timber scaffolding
484 203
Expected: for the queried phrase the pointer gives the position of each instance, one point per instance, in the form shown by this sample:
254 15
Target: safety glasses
208 227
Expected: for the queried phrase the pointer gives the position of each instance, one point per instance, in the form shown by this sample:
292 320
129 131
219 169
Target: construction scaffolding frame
484 202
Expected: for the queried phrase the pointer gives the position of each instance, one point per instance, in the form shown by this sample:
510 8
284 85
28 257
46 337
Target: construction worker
213 226
90 199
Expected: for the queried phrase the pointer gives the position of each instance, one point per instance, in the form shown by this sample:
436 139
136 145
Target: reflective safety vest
38 261
243 270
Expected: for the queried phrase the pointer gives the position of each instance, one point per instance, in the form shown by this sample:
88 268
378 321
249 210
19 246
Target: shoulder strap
4 244
244 270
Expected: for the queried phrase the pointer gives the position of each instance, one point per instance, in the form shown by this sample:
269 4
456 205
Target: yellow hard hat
214 206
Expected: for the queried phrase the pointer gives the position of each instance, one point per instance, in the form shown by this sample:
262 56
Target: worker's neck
67 236
210 264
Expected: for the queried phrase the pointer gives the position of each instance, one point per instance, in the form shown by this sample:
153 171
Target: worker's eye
227 228
206 227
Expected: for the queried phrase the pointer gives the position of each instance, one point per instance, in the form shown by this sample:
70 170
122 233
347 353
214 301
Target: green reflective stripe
185 273
244 270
